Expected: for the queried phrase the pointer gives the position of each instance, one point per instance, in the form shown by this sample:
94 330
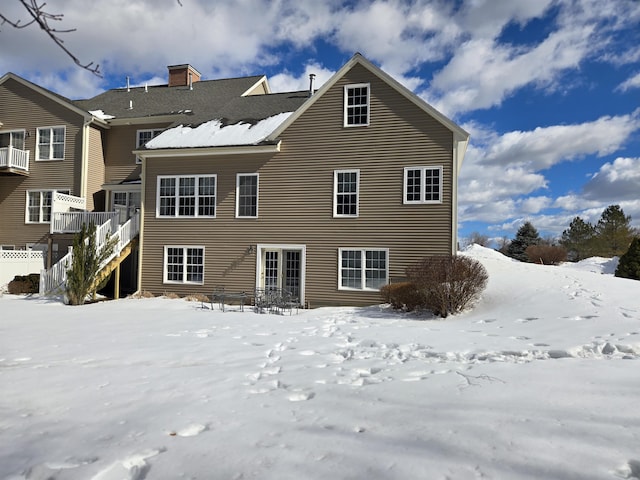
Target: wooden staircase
114 266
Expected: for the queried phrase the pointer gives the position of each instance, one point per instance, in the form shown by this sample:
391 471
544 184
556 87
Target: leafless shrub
401 296
448 284
546 254
196 297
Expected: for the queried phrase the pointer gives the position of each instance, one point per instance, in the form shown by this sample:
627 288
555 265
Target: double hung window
50 143
345 193
362 269
247 195
356 105
39 205
422 185
183 264
186 196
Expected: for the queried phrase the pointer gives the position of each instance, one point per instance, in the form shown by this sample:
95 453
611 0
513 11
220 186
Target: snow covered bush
448 284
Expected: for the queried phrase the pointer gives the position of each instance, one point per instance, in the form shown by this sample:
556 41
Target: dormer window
356 105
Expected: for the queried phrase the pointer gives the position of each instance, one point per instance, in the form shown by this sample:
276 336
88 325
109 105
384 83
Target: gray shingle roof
209 99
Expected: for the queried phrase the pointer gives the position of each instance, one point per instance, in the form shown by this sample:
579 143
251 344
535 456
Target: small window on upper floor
50 143
356 105
143 136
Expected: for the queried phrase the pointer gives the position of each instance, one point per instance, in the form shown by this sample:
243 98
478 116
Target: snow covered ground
539 381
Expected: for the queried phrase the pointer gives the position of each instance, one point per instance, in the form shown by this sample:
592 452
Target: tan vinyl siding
23 108
95 177
296 198
121 141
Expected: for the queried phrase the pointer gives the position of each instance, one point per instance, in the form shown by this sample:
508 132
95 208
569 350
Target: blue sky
548 89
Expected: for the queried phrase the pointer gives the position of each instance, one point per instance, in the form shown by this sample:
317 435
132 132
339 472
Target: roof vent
312 76
183 75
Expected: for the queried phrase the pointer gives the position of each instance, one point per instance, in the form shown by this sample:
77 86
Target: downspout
143 189
459 150
84 171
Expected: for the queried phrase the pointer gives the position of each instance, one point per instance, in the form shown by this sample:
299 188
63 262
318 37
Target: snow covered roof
216 133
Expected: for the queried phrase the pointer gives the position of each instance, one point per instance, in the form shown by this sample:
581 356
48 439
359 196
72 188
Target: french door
281 268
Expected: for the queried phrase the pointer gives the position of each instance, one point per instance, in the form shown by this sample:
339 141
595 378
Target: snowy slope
539 381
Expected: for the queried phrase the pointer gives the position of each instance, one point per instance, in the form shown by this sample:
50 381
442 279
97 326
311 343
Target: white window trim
423 185
165 273
345 106
50 159
364 270
154 133
238 175
335 193
66 191
176 191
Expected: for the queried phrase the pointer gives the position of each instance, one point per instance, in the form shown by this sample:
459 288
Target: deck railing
11 157
55 279
71 222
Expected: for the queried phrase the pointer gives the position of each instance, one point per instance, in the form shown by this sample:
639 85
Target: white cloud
287 82
630 83
615 181
544 147
483 72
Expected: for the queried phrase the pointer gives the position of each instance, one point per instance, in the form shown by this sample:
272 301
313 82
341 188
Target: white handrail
14 158
71 222
54 279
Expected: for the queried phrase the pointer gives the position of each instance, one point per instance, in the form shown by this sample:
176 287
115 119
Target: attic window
356 105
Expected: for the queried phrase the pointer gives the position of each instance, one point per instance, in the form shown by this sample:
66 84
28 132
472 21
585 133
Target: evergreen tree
629 264
525 236
86 262
578 239
613 232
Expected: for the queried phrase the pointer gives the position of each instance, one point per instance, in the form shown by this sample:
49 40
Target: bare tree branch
42 18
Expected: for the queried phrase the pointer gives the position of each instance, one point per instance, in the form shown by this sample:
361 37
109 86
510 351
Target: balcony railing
71 222
11 157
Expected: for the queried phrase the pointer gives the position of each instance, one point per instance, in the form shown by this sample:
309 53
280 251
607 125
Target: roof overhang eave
208 151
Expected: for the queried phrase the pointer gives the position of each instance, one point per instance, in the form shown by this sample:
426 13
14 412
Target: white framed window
7 247
12 138
186 196
422 185
356 105
50 143
247 195
143 136
363 269
183 264
346 190
39 205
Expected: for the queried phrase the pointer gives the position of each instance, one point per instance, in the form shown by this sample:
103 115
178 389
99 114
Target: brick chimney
182 75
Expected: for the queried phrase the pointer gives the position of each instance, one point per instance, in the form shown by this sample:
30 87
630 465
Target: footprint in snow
191 430
301 396
133 467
